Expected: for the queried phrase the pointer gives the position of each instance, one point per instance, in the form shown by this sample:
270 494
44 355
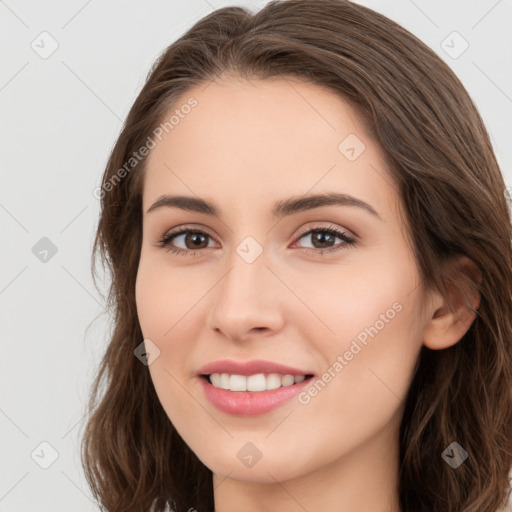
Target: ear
445 327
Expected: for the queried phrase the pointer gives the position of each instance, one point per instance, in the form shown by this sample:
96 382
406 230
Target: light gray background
60 118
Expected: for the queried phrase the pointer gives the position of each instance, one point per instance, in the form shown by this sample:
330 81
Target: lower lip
251 403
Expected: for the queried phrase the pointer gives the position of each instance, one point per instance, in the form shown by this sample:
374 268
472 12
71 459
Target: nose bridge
248 275
244 298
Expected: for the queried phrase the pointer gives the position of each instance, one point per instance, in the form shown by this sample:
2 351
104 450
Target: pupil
320 237
195 237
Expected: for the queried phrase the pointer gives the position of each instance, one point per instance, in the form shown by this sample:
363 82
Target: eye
322 238
193 237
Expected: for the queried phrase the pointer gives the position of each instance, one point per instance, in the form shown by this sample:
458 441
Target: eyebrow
280 209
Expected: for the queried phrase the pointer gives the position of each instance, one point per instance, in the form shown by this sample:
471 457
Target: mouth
255 383
251 387
251 395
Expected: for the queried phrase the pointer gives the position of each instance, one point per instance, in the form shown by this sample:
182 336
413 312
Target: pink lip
250 403
249 368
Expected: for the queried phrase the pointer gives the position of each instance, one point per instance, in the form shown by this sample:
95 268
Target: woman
310 251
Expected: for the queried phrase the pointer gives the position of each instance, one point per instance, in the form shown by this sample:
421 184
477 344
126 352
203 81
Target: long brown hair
439 154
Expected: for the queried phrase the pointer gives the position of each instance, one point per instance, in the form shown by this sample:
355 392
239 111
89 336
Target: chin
245 462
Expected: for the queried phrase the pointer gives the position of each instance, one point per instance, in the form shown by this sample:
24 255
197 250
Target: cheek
365 383
161 303
163 296
376 350
147 296
374 337
169 309
350 299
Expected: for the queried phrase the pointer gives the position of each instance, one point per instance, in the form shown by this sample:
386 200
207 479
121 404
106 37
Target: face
329 290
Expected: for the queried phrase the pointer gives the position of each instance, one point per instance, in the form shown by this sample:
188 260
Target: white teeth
287 380
273 381
215 379
224 381
257 382
237 383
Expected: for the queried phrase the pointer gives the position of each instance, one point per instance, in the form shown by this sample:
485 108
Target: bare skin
245 146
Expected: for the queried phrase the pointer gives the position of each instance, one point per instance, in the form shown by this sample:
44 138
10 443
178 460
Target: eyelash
348 240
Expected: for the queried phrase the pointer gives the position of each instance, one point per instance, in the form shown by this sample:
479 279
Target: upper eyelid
326 226
180 230
186 228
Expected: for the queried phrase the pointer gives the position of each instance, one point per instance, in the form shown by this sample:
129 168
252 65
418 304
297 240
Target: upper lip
249 368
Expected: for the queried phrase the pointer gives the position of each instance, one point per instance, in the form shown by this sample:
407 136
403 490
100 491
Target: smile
254 383
239 402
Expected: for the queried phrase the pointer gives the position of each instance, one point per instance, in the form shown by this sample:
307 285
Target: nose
247 301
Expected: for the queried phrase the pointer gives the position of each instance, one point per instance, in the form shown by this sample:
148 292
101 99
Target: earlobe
444 326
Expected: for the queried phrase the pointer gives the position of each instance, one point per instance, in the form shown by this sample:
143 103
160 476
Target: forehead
274 137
